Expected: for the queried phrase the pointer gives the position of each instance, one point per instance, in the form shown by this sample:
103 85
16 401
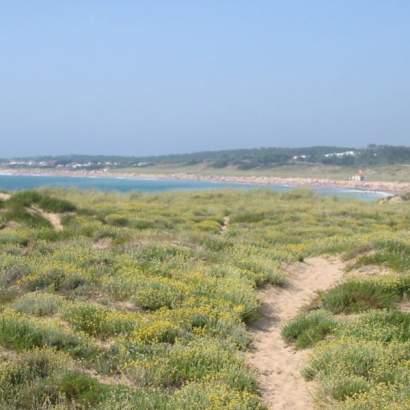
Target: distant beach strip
11 180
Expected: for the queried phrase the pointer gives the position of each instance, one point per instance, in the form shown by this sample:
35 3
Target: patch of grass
98 321
49 204
350 367
22 215
393 254
55 279
385 326
359 295
38 304
158 294
82 389
18 332
309 328
199 360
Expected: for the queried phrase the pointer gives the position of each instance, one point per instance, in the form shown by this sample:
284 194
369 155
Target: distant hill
244 159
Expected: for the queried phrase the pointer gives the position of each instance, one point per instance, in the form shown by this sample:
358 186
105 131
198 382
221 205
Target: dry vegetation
142 301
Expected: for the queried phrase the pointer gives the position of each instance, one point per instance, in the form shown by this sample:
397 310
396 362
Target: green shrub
21 333
209 225
350 366
27 382
385 326
157 294
309 328
45 202
116 220
57 280
214 395
82 389
38 304
393 254
357 296
98 321
28 218
12 271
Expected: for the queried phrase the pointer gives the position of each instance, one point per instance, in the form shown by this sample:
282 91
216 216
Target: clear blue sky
162 76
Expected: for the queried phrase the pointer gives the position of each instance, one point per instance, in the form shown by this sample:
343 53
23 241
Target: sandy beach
299 182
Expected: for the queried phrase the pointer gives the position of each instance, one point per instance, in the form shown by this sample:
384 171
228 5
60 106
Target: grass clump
385 326
309 328
158 294
198 360
98 321
24 216
38 304
47 203
359 295
394 254
19 332
81 389
348 368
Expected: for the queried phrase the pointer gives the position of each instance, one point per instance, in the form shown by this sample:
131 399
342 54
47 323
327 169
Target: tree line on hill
372 155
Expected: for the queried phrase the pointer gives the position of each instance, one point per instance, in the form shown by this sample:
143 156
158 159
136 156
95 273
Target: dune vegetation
142 301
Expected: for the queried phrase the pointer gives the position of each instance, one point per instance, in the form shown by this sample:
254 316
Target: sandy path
4 196
54 219
277 363
225 224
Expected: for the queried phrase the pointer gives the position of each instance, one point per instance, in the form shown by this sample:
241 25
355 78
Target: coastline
388 188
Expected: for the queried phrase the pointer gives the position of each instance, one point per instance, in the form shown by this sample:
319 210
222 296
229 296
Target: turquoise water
13 183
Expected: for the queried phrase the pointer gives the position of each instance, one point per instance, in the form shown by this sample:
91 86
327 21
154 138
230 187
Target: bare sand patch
279 364
4 196
54 219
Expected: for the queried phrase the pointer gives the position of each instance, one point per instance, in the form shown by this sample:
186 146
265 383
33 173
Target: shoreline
387 188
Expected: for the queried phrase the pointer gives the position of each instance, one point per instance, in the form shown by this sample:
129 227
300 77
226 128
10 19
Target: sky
154 77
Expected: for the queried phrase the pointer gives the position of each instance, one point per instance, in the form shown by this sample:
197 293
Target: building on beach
359 177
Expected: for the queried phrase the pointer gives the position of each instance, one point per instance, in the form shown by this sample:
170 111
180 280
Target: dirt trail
4 196
54 219
225 225
278 364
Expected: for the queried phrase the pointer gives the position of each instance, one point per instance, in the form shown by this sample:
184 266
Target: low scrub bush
23 216
45 202
350 367
157 294
25 384
309 328
209 225
393 254
385 326
359 295
117 220
19 332
81 389
199 360
38 304
98 321
54 279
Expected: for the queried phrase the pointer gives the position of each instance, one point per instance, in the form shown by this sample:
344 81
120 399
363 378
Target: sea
121 184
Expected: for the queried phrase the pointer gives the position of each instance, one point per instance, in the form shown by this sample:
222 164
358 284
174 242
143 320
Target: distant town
69 165
243 159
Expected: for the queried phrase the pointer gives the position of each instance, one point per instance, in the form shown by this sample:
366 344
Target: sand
225 225
4 197
54 219
278 364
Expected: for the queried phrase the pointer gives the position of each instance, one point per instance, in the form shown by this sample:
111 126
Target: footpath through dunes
53 218
277 363
4 196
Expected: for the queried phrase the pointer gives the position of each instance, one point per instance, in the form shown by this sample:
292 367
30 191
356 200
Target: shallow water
19 182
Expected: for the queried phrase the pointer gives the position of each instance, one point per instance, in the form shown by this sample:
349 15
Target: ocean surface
14 183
